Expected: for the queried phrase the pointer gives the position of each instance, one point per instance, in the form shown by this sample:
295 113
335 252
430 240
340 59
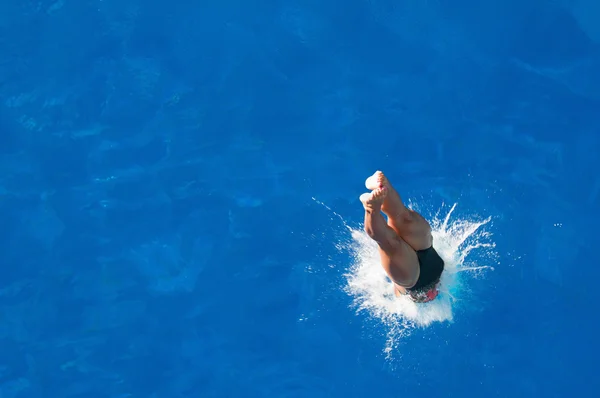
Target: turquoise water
179 190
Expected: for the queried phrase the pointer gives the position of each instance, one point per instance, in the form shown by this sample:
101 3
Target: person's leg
398 259
392 205
408 224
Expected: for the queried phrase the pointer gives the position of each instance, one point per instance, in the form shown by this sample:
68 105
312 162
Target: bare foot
374 200
393 204
377 180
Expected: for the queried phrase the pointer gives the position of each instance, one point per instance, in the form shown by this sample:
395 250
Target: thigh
401 263
413 229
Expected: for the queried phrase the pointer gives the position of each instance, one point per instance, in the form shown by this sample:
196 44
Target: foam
373 292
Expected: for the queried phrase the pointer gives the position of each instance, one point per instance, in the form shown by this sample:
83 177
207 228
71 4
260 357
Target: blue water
179 189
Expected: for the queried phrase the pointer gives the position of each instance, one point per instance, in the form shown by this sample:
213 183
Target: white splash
373 292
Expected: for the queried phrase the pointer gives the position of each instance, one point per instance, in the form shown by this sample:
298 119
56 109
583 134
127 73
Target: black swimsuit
431 265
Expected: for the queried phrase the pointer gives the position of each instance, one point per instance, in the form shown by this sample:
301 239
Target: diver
405 241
